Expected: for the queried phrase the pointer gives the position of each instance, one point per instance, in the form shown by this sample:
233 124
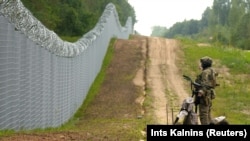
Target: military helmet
206 61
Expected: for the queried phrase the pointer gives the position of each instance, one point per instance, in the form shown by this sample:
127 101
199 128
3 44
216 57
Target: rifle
197 84
194 88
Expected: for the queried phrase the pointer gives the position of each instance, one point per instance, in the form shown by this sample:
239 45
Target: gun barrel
197 84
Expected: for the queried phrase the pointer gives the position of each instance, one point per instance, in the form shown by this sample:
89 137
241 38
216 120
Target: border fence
43 79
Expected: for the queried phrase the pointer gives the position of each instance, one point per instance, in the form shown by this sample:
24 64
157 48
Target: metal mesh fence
43 79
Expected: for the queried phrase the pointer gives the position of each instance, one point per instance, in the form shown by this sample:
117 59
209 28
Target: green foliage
75 17
226 22
221 10
233 99
159 31
70 39
183 28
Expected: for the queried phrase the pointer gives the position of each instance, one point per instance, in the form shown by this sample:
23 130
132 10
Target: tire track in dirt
164 78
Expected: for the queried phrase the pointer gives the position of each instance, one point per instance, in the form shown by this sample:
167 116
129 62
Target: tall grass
233 94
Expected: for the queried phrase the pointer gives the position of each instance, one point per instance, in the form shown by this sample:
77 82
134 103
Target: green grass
233 94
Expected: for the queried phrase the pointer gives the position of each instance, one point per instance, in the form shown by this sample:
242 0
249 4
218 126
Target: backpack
213 78
213 82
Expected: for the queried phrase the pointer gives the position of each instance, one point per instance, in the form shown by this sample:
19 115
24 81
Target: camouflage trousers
205 113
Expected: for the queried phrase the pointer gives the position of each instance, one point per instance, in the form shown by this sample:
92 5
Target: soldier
206 93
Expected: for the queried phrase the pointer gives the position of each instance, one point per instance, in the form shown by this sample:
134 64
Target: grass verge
233 99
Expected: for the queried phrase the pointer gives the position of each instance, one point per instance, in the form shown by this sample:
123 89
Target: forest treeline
226 22
75 17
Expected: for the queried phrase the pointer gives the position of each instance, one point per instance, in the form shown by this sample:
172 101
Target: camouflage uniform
205 100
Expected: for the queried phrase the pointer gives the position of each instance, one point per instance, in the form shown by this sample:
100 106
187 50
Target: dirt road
164 78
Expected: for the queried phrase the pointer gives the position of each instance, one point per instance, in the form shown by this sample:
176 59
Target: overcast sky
165 13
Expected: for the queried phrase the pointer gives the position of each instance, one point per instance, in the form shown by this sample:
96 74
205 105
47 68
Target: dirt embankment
138 64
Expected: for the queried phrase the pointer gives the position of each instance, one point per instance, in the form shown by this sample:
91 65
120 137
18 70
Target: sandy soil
164 78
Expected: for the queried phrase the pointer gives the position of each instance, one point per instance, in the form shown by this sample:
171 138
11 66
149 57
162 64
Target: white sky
165 13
